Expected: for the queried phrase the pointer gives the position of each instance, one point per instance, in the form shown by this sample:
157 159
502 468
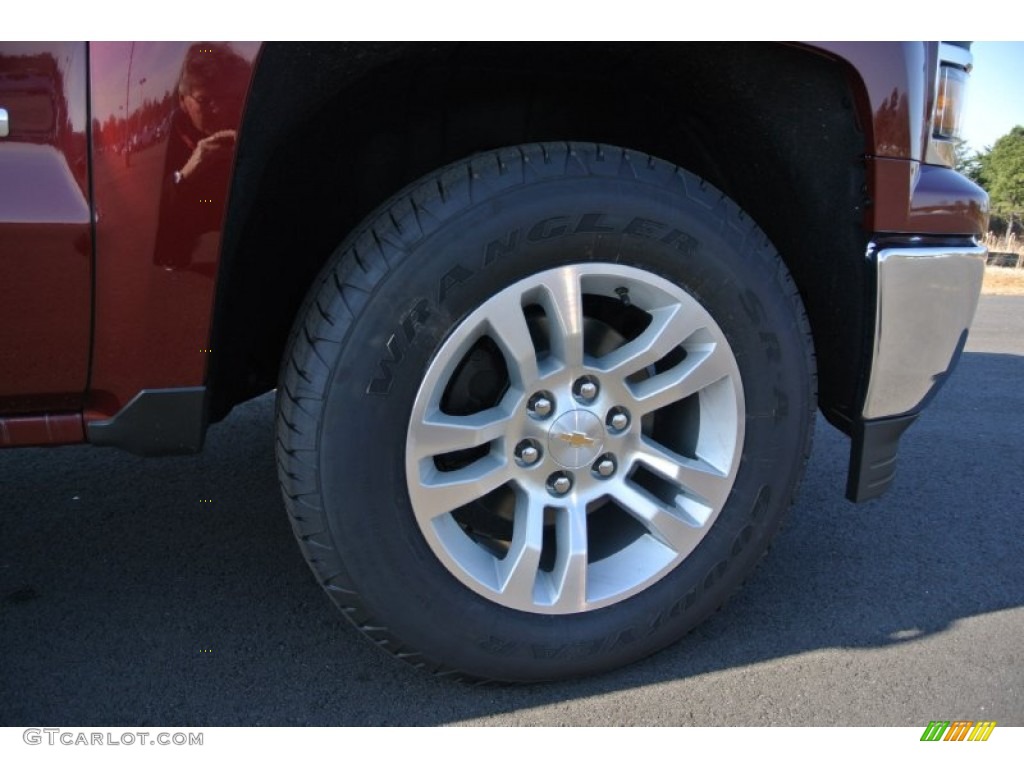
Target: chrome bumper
926 298
926 301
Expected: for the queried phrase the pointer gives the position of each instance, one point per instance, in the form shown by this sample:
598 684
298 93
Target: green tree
1002 173
967 162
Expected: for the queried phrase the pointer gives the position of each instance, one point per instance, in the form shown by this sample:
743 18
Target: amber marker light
950 102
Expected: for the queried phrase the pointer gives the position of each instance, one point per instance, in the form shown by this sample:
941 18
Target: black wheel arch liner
174 420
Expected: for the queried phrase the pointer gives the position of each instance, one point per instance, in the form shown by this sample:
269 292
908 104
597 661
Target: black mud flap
873 451
156 422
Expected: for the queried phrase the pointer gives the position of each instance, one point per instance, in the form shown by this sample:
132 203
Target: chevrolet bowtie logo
576 439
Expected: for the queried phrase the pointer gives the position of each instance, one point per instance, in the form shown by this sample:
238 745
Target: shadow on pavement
126 600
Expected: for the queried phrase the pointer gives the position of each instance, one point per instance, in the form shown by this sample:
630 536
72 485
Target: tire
541 414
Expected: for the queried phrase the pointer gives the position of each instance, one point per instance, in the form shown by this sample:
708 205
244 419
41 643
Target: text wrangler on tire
543 411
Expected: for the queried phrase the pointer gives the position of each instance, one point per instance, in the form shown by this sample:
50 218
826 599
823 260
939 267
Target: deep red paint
893 85
152 313
154 297
924 199
44 429
45 245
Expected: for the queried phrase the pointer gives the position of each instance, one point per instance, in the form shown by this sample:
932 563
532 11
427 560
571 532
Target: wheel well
333 130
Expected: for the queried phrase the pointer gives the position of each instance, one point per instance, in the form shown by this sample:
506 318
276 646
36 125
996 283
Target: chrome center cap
576 439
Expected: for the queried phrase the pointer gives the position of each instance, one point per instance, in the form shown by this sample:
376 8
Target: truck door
45 229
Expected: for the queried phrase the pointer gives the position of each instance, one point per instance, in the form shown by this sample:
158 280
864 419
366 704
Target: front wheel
543 411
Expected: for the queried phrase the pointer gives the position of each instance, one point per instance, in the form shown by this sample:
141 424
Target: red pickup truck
548 324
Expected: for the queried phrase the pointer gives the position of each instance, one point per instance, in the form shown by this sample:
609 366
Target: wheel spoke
695 476
440 492
660 521
670 327
704 365
569 577
442 433
517 572
508 327
563 302
512 524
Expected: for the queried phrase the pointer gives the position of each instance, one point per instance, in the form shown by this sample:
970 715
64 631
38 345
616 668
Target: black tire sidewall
724 262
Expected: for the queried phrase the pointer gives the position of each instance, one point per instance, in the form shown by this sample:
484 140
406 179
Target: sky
995 96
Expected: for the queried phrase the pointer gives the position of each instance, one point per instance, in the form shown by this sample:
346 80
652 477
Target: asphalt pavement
127 599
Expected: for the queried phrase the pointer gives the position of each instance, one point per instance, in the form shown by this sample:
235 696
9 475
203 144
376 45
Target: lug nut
540 406
527 453
618 419
585 389
605 466
559 483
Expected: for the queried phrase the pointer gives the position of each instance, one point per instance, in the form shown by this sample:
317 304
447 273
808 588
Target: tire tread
368 255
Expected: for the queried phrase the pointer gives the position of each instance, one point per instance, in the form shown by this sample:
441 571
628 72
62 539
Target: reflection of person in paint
201 145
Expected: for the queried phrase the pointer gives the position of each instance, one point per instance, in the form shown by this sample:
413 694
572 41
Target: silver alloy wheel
611 447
